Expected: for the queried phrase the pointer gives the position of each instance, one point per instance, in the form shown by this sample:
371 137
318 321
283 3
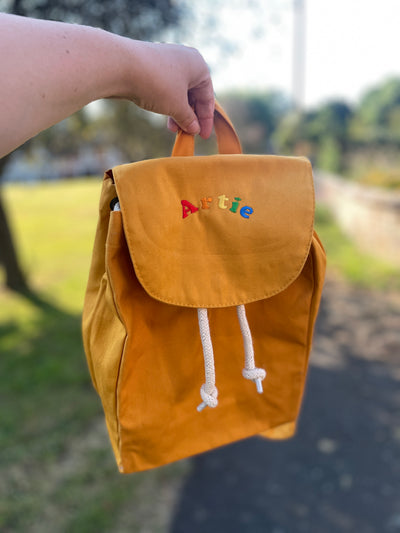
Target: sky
350 45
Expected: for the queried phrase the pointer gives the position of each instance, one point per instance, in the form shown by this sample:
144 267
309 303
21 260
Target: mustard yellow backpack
202 296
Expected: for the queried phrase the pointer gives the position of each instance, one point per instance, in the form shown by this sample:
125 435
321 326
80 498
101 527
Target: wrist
123 68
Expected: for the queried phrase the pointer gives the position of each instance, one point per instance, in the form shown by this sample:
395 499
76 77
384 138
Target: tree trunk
15 278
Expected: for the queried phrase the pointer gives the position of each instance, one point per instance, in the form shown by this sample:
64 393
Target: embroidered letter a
188 208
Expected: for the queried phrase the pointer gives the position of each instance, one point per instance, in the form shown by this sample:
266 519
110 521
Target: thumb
187 121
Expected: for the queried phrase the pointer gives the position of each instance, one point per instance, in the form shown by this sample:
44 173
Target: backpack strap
227 138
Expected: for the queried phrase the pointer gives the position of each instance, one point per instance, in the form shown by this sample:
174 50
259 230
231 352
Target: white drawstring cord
249 371
208 390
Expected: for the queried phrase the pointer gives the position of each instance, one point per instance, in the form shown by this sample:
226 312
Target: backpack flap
217 231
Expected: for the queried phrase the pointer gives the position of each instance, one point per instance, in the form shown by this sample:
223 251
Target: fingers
195 111
204 110
201 125
199 116
203 101
189 121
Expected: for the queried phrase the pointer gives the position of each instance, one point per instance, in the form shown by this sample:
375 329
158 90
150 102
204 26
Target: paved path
342 471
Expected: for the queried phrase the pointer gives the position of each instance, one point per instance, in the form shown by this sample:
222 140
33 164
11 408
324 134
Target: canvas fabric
211 232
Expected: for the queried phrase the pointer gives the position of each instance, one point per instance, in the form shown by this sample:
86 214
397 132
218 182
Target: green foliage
141 19
336 137
329 155
137 133
377 118
321 134
256 117
288 132
349 139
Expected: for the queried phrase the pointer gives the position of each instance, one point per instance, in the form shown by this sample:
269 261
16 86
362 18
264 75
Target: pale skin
51 70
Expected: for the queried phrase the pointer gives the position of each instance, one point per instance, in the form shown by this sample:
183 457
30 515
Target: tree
256 116
140 19
329 131
15 278
323 134
377 117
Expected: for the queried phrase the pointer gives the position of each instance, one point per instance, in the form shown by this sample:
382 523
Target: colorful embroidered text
223 203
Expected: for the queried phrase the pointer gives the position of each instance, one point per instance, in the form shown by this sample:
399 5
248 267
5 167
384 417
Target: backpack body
214 233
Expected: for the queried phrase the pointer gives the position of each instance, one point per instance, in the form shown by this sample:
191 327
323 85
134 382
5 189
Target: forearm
50 70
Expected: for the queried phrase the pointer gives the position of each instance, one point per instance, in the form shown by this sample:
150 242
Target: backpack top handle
227 138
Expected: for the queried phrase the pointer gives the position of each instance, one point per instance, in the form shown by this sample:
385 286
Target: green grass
54 224
57 470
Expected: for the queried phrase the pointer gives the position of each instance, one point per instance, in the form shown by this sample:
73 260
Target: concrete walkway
341 473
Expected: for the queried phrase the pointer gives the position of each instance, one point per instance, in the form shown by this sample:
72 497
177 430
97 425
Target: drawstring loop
250 371
208 391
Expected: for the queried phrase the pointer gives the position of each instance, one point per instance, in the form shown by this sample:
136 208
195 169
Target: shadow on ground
341 473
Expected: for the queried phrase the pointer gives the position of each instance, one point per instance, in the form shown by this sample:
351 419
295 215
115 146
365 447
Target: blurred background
297 77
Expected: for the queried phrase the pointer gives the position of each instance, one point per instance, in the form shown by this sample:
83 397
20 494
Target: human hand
172 80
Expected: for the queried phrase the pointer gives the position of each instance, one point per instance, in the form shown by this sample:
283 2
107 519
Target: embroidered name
223 203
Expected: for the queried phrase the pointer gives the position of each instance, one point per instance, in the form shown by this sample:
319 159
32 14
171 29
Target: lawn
57 472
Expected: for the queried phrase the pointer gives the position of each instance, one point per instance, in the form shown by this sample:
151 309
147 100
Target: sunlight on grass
57 470
54 225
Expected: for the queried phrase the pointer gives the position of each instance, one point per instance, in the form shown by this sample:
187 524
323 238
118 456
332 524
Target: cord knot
210 399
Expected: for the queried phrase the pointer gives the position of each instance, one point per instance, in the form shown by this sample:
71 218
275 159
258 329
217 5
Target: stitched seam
284 286
121 360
